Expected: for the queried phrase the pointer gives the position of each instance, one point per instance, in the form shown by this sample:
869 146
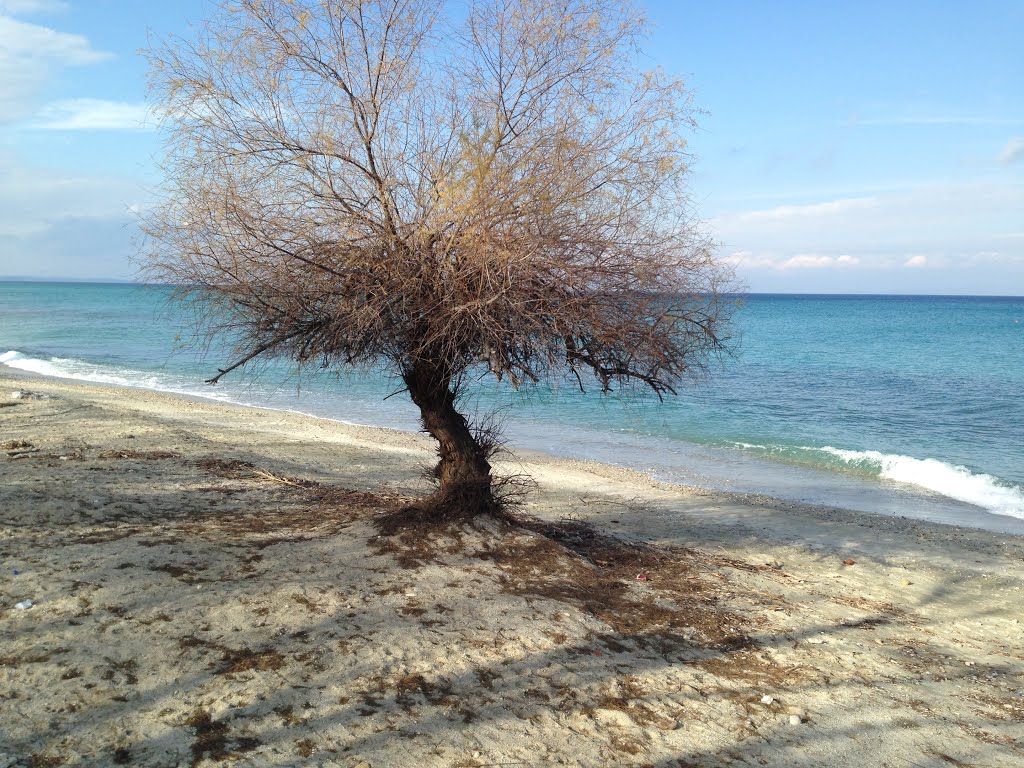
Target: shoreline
209 584
872 499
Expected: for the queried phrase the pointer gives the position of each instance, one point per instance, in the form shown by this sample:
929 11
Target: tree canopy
496 188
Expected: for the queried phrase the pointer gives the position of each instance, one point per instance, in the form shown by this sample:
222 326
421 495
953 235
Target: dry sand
210 587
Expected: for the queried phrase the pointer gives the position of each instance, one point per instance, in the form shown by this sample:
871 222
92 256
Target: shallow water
897 405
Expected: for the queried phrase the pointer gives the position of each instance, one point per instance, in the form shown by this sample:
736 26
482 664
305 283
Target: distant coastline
85 280
760 294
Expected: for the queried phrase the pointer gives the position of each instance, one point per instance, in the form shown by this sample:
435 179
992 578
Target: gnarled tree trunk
463 473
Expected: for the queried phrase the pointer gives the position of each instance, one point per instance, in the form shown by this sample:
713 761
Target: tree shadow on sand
287 622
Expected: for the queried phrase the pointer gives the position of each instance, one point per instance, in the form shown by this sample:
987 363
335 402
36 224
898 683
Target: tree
350 182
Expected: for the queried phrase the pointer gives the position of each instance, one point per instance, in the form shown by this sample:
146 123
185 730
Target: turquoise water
898 405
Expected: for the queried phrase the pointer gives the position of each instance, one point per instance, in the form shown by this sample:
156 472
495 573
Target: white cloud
964 218
750 260
774 261
784 213
806 261
93 114
875 243
21 39
30 54
1013 151
18 7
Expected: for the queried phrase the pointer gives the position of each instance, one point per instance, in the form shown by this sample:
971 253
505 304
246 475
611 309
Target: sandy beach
202 584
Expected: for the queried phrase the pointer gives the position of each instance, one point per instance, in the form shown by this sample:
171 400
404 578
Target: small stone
767 699
794 720
906 582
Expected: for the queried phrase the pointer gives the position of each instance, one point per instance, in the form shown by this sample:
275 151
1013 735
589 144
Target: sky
870 147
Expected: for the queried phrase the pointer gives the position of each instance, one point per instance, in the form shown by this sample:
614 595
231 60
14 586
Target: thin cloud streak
94 114
814 210
937 120
26 7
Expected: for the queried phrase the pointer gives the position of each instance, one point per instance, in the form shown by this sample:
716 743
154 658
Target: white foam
68 368
950 480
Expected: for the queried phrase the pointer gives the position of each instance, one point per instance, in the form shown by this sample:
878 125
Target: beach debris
768 561
24 394
849 561
766 699
18 449
641 577
24 605
795 720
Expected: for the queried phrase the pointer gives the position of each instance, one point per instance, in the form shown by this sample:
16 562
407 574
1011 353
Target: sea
908 406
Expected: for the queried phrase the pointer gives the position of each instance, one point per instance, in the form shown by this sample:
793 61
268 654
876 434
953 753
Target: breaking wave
950 480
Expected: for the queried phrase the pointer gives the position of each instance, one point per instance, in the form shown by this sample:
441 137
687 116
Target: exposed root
455 504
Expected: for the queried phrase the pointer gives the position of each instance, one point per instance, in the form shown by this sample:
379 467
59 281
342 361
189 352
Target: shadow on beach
196 604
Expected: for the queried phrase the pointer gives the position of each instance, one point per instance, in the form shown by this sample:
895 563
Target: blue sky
868 147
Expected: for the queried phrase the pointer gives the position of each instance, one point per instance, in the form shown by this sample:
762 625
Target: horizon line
836 294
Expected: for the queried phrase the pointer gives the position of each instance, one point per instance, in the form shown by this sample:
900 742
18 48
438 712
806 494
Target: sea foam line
956 482
80 370
69 368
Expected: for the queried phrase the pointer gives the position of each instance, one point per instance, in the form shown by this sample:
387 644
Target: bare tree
357 181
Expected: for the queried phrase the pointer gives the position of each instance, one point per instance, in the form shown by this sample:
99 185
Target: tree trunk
464 474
